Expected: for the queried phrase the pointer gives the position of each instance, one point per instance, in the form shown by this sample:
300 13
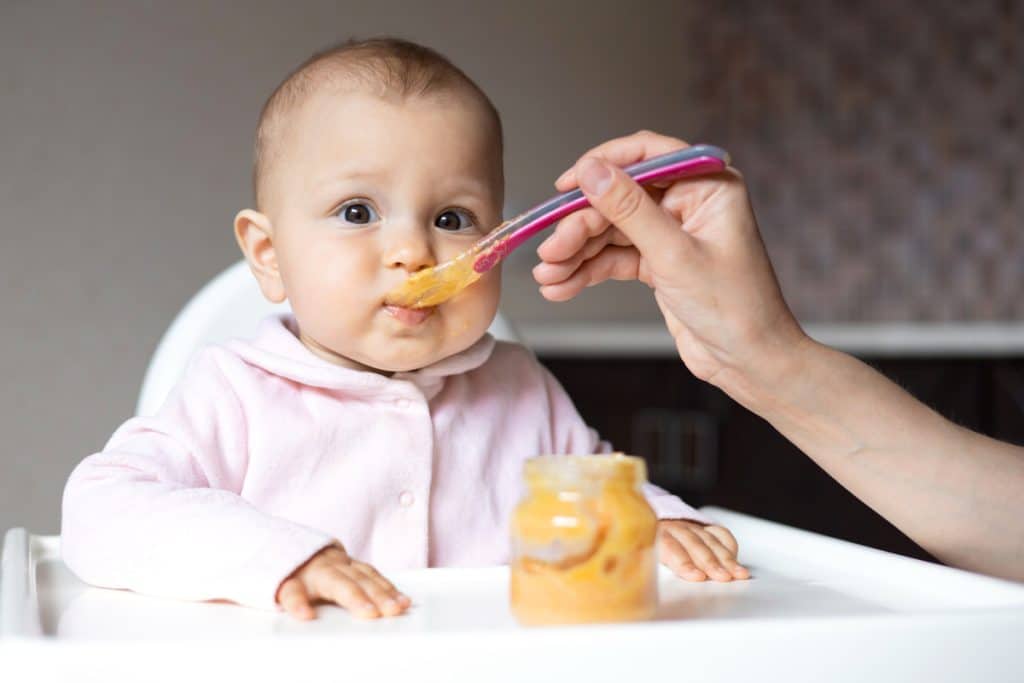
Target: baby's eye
358 213
455 220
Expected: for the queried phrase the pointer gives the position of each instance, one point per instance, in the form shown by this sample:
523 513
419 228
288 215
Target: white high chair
230 305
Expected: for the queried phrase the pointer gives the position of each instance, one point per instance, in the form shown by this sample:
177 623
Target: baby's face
369 192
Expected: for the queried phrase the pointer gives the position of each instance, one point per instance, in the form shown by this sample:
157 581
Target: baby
355 434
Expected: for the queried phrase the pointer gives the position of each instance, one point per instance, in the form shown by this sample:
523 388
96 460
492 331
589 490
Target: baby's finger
724 536
572 234
387 598
702 555
624 151
674 556
293 599
369 570
613 263
336 586
726 551
726 557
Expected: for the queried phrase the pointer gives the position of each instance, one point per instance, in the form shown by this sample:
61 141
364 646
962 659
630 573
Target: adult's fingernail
594 176
563 176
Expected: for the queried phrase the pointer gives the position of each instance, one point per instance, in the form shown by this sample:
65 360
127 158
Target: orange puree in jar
583 542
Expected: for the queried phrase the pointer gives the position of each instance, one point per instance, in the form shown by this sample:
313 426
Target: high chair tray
817 609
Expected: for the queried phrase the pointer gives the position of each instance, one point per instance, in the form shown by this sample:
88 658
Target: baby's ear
255 237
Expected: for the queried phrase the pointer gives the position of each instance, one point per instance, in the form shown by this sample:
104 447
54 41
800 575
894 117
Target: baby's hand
695 551
332 576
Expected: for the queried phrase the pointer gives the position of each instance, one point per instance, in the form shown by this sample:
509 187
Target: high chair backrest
230 305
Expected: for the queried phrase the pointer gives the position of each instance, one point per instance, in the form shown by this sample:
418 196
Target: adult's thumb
625 204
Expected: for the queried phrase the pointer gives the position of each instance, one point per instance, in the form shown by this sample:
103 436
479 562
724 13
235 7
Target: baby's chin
412 360
387 352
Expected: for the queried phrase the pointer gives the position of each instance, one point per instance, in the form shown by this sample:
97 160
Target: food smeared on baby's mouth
433 286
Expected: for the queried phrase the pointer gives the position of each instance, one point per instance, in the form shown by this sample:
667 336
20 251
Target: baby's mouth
408 316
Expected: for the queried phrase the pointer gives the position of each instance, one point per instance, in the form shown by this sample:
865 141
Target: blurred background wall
881 140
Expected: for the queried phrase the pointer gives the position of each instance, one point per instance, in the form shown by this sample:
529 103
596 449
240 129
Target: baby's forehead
305 133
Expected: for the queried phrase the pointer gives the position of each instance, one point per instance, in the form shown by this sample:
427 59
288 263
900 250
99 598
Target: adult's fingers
546 273
613 263
685 198
623 151
571 234
673 555
625 204
294 600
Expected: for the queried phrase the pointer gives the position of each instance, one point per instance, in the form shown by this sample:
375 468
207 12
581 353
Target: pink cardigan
264 453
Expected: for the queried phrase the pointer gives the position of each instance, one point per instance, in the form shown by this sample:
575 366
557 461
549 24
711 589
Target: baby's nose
411 253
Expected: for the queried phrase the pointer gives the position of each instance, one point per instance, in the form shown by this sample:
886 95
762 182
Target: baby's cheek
491 289
486 305
469 319
461 323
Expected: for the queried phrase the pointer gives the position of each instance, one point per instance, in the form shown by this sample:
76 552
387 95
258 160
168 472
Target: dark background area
701 445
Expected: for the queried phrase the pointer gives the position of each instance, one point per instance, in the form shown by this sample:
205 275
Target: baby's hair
385 67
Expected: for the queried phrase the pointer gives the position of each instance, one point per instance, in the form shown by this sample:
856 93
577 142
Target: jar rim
567 469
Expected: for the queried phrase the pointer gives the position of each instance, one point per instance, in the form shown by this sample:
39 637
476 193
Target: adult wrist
768 371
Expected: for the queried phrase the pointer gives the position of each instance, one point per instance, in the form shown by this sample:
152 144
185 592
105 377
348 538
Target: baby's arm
159 510
689 543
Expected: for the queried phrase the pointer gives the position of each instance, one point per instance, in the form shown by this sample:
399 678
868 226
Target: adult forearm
957 493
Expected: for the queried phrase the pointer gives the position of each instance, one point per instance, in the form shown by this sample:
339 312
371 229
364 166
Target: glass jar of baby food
583 542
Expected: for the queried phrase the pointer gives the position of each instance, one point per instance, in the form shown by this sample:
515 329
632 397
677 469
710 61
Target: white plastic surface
230 305
817 609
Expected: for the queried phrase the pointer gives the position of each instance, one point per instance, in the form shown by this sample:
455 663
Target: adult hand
694 242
